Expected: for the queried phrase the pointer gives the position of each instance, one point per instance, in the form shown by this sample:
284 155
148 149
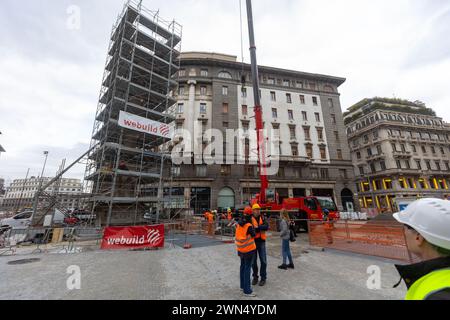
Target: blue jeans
261 253
246 268
286 251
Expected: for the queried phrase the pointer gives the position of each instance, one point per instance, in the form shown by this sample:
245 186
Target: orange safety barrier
382 239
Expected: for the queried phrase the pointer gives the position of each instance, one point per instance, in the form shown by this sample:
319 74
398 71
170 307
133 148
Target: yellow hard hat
256 207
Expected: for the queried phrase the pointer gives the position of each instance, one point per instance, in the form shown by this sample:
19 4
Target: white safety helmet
429 217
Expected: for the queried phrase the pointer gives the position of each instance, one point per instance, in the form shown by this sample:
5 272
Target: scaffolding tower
139 78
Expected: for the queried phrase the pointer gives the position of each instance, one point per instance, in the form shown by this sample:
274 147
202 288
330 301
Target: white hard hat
429 217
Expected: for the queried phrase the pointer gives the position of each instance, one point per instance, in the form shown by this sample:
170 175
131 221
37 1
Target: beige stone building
399 149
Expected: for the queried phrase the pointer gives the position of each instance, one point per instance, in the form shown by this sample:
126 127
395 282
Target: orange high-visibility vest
210 217
244 242
262 234
230 216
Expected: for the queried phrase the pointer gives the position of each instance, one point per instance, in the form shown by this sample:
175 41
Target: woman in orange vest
246 247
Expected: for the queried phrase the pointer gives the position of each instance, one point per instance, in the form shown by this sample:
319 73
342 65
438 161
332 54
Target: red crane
262 163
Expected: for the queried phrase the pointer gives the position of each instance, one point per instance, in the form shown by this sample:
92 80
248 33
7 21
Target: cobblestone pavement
201 273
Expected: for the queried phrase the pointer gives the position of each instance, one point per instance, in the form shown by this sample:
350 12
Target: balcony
402 154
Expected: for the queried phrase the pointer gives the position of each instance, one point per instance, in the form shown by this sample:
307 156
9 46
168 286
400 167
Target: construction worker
328 225
427 233
229 215
210 219
246 247
261 226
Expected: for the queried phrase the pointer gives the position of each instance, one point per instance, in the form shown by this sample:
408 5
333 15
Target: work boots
283 267
255 281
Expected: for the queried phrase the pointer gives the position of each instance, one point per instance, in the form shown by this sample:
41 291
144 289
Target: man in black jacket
261 227
427 233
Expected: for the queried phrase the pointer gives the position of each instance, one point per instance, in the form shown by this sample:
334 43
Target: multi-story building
301 111
2 187
21 192
400 149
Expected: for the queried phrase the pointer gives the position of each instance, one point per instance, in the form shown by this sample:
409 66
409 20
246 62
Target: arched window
225 75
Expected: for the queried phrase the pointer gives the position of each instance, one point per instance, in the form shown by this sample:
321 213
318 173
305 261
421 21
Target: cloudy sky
51 71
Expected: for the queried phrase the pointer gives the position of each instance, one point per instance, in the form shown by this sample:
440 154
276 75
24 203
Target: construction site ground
205 272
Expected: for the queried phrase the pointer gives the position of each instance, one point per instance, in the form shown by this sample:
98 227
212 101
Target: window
379 150
244 92
274 113
413 147
180 108
433 150
408 164
323 153
447 166
324 173
244 110
225 124
224 91
312 86
181 91
271 81
202 108
203 91
333 118
176 171
299 84
373 169
315 103
358 155
307 133
245 127
428 163
201 170
302 99
225 170
204 72
424 149
320 134
225 75
339 154
292 133
304 116
383 165
419 164
294 149
182 73
375 134
403 148
369 152
309 151
273 96
394 147
286 83
330 103
317 117
290 115
336 136
361 170
399 164
225 108
442 150
438 165
288 98
366 138
343 173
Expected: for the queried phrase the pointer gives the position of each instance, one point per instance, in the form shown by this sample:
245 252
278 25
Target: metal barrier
194 232
382 239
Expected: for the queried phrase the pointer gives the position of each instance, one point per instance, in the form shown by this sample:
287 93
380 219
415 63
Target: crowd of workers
427 233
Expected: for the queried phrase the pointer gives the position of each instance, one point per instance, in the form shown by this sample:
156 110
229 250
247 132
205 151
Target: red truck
301 209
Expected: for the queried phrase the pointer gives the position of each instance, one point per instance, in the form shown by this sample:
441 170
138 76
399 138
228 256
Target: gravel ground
196 274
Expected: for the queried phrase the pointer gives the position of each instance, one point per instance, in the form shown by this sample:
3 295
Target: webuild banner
136 123
133 237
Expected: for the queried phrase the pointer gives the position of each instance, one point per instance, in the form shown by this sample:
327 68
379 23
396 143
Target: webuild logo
133 237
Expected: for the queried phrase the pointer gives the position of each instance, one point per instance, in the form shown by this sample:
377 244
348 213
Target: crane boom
258 108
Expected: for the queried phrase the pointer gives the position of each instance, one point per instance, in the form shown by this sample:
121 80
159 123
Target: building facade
302 115
21 192
400 149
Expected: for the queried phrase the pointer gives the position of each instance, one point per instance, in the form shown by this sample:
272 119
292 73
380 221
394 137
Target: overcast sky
51 74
